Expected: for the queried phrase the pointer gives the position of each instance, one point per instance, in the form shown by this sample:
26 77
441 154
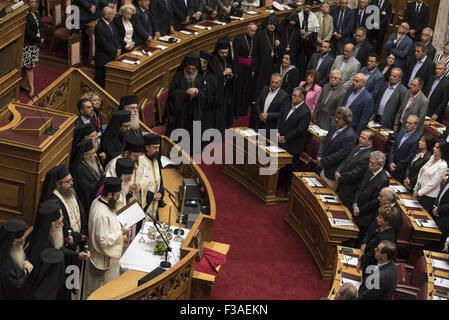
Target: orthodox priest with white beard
58 185
105 237
14 265
186 96
149 170
47 233
87 132
130 103
88 173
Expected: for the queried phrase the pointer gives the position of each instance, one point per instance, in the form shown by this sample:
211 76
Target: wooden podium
27 153
248 173
320 224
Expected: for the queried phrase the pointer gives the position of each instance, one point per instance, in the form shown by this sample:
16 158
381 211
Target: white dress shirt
429 178
270 96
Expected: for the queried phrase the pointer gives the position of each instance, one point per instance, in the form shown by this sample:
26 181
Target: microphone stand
179 231
83 272
164 264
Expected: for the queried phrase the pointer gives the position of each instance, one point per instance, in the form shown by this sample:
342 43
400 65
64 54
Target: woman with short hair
312 88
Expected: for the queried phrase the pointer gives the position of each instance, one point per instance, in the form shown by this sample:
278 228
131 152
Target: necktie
110 28
146 16
418 5
381 4
361 17
166 4
340 21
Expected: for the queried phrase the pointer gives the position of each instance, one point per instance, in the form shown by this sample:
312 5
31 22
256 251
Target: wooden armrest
404 294
306 158
407 287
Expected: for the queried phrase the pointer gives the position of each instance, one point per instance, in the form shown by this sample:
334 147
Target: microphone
171 196
168 191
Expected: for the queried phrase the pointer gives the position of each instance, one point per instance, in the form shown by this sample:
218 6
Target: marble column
441 32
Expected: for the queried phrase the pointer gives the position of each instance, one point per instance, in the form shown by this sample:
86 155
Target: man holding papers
105 237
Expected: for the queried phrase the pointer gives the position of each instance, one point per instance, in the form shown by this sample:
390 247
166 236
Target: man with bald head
343 25
347 64
360 102
400 44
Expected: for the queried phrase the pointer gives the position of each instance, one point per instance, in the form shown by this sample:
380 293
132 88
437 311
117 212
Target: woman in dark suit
125 28
425 152
289 73
34 37
384 231
387 66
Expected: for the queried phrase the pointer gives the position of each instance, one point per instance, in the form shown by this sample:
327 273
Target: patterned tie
340 21
110 28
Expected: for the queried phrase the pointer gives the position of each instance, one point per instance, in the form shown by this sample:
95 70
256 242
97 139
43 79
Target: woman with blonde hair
125 28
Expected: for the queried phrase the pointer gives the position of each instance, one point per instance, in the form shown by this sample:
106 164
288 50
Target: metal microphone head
86 247
69 231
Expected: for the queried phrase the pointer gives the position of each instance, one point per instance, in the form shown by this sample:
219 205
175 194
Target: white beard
190 78
17 255
135 121
56 237
93 165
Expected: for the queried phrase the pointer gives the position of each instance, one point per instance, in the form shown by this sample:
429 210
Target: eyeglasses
68 181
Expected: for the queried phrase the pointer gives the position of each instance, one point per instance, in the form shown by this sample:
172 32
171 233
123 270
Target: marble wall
441 33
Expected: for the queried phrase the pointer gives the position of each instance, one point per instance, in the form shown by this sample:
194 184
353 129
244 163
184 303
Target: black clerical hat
11 230
15 226
134 143
61 172
87 129
152 138
293 16
49 210
205 55
124 166
222 44
123 116
191 60
85 146
308 3
127 100
272 19
112 184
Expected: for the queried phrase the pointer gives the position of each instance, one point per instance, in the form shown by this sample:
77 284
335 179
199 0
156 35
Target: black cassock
267 54
224 116
244 49
291 39
13 285
210 105
180 110
112 146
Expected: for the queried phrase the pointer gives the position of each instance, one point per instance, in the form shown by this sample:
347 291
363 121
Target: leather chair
161 99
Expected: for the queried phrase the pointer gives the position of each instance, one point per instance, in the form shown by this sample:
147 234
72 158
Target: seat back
406 228
435 135
147 111
161 99
57 13
419 274
380 143
422 293
446 116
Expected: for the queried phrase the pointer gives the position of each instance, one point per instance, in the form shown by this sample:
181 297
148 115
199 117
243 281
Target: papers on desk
438 298
166 162
287 7
220 22
236 18
131 216
374 124
149 53
124 60
275 149
186 32
330 199
426 223
341 222
137 53
161 47
248 132
253 13
399 189
387 132
320 132
441 282
411 203
355 283
169 39
440 130
350 260
201 27
270 11
440 264
313 182
278 6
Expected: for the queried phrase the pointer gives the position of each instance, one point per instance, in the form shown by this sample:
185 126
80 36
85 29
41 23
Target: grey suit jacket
392 106
326 26
349 71
418 107
324 113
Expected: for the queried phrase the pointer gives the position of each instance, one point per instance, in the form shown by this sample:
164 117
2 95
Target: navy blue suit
400 51
404 155
374 82
333 151
325 67
142 29
362 108
347 28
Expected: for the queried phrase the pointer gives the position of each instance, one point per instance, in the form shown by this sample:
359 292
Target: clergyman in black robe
130 103
244 47
210 81
113 140
267 54
221 65
14 265
49 280
88 174
186 96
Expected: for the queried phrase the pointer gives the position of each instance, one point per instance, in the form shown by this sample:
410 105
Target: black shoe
24 89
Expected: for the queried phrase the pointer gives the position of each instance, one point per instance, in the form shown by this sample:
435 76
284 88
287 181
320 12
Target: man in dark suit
86 113
360 102
374 78
366 197
186 12
162 14
343 26
404 148
360 14
362 46
385 9
293 125
143 23
422 66
350 172
426 37
441 214
389 100
107 44
400 44
387 272
271 102
437 92
322 61
336 146
417 16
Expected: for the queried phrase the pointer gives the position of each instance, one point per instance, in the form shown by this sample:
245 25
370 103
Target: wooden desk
421 236
434 291
246 166
314 221
434 127
344 270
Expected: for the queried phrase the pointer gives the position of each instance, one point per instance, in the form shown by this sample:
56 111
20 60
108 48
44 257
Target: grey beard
67 193
17 255
56 237
93 165
135 121
190 78
96 146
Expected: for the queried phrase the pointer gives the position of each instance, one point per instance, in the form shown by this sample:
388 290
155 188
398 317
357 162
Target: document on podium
440 264
426 223
341 222
411 203
275 149
330 199
131 215
438 281
399 189
353 261
314 182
